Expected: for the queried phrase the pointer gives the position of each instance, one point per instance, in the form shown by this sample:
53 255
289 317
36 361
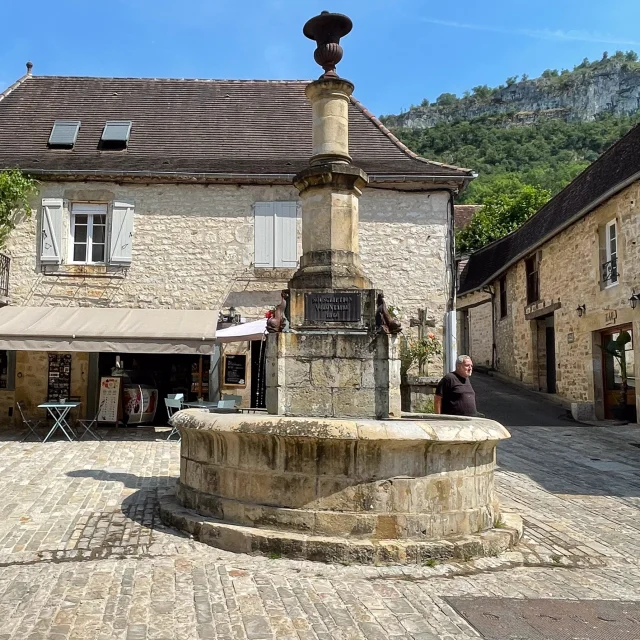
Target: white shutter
263 234
121 233
286 234
52 213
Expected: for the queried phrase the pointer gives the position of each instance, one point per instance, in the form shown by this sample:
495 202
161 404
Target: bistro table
59 412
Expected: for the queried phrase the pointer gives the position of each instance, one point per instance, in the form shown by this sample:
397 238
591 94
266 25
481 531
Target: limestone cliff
609 85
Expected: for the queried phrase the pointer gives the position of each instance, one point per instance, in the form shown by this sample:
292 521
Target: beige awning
93 329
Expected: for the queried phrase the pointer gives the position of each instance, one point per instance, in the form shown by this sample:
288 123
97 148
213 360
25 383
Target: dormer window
64 133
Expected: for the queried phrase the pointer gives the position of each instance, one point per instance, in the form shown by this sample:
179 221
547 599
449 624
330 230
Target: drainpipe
450 346
492 292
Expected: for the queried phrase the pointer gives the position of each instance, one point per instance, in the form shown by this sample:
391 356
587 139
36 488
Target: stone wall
193 249
338 373
31 385
480 334
474 327
569 270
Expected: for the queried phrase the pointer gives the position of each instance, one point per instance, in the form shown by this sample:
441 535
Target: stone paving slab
547 619
84 555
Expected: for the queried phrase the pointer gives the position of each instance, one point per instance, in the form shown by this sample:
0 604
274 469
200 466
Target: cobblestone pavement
83 555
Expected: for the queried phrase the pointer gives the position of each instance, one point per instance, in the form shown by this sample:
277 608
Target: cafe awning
92 329
239 332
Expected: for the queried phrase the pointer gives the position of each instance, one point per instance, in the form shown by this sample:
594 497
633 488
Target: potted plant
416 390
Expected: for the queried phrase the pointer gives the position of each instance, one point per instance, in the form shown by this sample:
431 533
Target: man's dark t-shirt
458 396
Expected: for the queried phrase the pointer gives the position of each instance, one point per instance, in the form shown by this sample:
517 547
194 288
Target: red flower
269 314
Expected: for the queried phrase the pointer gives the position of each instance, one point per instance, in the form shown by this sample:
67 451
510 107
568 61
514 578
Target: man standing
454 394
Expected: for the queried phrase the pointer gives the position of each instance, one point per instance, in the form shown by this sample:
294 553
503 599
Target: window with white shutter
275 234
121 233
51 231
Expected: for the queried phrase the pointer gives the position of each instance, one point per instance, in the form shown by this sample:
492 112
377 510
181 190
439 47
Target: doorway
618 365
545 353
551 358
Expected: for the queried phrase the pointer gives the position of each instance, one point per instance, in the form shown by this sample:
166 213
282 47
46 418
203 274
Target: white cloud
541 34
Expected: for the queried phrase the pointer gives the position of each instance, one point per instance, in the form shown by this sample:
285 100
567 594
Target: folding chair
173 402
90 425
237 400
30 423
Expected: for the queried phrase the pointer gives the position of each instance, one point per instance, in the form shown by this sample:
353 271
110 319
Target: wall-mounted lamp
233 317
633 300
581 310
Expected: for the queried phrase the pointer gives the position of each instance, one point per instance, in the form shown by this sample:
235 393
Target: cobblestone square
83 554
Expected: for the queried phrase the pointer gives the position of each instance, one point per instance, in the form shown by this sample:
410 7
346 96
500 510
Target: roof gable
189 126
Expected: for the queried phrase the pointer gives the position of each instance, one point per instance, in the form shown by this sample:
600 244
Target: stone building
543 303
163 202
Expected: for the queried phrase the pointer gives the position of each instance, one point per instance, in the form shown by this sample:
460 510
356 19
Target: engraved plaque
332 307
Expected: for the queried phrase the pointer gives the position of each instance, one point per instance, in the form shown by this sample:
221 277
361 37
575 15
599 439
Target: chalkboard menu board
235 370
59 376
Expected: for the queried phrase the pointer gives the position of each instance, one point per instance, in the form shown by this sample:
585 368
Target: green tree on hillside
548 155
500 214
446 99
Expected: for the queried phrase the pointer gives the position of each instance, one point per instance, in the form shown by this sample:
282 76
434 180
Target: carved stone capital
333 174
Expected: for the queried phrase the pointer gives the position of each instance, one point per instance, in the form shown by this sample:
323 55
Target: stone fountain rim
430 428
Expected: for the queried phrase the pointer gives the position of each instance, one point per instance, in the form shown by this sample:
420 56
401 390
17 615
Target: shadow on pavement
142 505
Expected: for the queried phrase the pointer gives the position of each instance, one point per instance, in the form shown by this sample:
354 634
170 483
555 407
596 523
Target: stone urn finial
327 29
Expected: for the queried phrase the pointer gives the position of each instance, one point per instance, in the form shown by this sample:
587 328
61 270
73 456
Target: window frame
503 296
609 255
533 260
91 209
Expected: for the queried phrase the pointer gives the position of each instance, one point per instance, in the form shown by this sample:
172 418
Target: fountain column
334 361
333 472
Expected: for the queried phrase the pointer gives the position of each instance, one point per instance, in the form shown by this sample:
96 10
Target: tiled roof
187 126
613 170
462 214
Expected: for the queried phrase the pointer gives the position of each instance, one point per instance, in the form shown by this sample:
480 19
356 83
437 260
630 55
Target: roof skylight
116 132
64 133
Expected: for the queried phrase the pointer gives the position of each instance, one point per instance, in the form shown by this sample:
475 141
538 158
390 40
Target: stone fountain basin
270 482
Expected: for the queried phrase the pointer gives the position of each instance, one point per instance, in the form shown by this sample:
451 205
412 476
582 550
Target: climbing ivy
15 190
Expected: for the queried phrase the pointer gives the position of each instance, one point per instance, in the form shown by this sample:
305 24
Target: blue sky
399 52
